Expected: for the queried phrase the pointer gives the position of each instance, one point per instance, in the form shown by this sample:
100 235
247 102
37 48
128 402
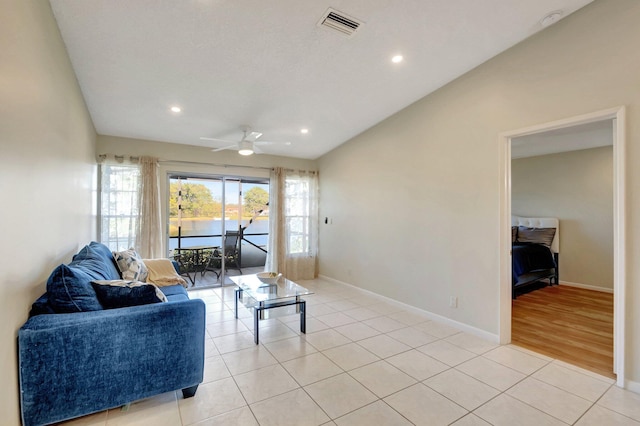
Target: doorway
618 117
218 226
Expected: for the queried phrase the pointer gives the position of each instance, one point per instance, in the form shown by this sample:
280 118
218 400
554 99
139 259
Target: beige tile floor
367 362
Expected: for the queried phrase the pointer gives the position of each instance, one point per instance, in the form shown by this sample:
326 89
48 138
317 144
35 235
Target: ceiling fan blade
253 136
257 150
215 140
234 146
272 143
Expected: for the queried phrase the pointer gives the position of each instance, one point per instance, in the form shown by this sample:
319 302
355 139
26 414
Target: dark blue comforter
530 257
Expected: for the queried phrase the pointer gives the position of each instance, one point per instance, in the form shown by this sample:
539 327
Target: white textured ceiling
268 65
583 136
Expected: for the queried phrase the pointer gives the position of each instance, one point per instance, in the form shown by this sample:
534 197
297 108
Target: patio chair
232 242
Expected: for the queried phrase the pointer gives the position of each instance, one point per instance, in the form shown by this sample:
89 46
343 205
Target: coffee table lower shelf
260 307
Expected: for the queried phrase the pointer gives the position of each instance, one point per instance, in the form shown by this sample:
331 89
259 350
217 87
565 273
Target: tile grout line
411 347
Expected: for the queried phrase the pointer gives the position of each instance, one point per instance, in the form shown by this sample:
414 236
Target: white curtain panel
293 207
148 235
276 182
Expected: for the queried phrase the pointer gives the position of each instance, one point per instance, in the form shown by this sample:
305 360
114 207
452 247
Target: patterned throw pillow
131 265
122 293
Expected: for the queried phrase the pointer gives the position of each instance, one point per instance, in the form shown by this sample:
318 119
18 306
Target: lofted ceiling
269 65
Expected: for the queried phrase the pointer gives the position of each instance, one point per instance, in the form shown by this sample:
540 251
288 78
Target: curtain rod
199 163
118 158
136 159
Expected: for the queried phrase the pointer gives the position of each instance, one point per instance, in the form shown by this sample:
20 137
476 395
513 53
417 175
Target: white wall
47 172
416 199
577 188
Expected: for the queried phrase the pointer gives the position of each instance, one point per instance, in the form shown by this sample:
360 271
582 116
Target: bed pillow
131 265
122 293
542 236
514 234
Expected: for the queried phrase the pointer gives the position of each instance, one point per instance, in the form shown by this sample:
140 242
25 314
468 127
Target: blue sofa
76 358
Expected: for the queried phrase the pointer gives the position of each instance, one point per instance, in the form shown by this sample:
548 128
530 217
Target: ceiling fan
247 145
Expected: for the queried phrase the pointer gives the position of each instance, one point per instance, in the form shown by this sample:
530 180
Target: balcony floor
253 261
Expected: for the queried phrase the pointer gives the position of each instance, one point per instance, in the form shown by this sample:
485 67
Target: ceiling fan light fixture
246 148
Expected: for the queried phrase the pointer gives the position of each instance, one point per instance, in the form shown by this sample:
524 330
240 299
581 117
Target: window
203 208
300 202
196 205
119 205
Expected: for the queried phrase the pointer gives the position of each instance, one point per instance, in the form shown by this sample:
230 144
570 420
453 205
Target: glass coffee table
263 296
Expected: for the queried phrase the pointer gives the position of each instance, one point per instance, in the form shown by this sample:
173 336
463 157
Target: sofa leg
189 392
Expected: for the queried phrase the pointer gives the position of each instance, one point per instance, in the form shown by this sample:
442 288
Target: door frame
618 115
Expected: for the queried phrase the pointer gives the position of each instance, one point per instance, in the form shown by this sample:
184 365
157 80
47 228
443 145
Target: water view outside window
196 206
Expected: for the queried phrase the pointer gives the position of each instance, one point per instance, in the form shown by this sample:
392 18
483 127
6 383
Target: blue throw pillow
41 306
70 290
96 259
121 293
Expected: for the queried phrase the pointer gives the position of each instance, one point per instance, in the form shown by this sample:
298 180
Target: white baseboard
632 386
429 315
587 286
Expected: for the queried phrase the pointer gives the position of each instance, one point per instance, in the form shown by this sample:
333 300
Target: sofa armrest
76 364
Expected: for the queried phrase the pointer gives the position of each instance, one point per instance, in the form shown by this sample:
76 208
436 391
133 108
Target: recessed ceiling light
397 59
551 18
176 109
304 131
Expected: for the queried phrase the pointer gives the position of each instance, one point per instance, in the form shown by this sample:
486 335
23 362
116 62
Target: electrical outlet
453 302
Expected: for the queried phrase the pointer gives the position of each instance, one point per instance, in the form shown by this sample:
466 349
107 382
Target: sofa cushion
131 265
122 293
97 261
175 293
41 306
69 288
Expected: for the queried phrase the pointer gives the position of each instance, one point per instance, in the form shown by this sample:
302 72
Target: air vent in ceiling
338 21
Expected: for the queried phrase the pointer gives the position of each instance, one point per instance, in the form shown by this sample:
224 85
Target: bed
535 252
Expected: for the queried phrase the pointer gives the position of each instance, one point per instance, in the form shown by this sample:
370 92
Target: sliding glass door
218 226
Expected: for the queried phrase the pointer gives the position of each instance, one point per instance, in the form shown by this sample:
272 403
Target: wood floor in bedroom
567 323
